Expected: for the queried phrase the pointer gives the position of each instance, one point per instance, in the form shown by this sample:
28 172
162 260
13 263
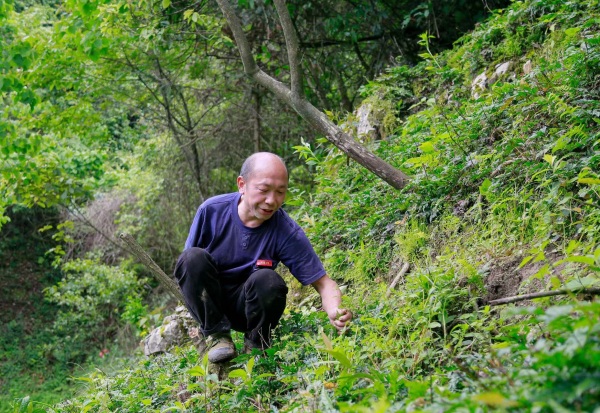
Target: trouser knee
194 261
267 287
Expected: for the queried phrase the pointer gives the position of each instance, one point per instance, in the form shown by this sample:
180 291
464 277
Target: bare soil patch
505 279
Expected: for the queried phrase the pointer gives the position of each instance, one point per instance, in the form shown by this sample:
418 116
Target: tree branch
166 281
516 298
405 268
244 48
315 44
315 117
291 41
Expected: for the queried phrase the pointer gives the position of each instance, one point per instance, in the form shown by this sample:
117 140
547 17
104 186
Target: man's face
263 193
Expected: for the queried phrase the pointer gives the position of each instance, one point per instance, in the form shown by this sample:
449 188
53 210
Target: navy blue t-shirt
237 249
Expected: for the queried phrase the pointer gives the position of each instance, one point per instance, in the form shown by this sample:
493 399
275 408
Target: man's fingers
344 315
341 319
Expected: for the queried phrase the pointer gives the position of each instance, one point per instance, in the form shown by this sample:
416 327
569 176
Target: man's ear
241 185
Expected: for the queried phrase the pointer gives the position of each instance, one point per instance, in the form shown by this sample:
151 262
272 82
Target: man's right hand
340 318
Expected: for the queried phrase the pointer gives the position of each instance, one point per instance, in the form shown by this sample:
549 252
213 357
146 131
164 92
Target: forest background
123 117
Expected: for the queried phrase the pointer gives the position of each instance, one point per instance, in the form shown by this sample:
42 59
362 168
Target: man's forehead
269 181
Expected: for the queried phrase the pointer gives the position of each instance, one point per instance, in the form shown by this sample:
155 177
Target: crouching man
227 269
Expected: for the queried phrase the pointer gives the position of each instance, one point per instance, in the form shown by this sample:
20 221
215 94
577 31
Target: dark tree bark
294 96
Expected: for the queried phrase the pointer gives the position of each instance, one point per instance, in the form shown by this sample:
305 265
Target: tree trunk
166 281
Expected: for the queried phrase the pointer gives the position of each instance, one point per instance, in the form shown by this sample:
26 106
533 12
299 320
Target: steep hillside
504 200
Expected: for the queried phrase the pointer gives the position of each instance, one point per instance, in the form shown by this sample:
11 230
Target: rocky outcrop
483 81
365 130
177 329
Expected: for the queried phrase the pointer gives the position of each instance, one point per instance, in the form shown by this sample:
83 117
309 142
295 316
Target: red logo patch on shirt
264 263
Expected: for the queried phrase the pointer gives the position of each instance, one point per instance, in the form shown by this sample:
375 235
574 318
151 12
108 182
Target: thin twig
516 298
403 271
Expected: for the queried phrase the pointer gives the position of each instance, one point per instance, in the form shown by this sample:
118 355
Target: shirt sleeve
300 257
193 238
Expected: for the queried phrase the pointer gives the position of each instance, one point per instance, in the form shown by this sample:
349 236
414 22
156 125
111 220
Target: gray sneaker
221 347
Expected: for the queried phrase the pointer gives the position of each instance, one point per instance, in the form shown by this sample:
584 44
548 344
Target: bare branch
291 41
516 298
403 271
250 66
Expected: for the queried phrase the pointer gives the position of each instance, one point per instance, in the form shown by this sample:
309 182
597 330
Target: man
226 271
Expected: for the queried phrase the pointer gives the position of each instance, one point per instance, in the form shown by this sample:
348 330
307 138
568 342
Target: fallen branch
145 259
516 298
403 271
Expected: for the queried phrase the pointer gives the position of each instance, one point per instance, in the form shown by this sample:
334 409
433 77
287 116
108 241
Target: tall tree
294 95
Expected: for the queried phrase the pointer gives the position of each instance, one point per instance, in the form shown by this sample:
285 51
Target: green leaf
585 282
166 3
86 379
250 366
549 158
542 272
341 357
197 371
572 245
581 259
239 374
525 261
494 399
484 188
416 389
326 340
561 143
427 147
588 181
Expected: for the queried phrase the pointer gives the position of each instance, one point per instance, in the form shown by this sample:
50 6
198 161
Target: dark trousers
253 307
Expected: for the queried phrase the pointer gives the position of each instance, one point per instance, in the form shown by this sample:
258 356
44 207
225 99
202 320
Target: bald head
261 160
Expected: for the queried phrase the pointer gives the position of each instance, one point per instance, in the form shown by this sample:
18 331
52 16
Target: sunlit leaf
494 399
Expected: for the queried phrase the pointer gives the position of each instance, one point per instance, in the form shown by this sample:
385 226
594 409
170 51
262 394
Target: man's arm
331 296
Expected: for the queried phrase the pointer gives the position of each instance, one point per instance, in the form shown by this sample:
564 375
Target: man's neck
247 219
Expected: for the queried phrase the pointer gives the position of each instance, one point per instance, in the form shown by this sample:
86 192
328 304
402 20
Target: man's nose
270 200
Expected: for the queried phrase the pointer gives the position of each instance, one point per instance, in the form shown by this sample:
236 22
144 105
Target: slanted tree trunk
166 281
295 98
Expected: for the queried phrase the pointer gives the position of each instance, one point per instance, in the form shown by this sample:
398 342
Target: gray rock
176 330
478 85
365 129
502 68
527 67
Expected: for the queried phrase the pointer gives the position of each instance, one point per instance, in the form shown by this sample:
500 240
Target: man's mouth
266 211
